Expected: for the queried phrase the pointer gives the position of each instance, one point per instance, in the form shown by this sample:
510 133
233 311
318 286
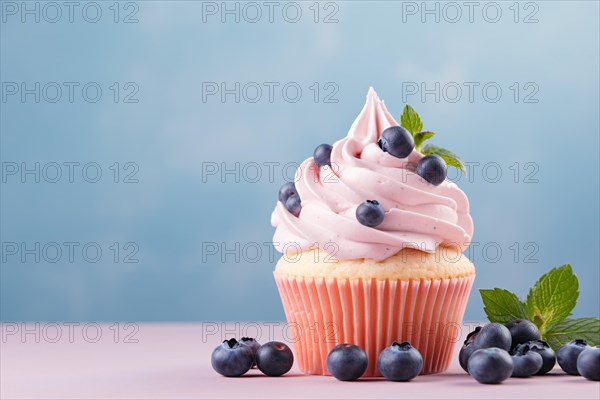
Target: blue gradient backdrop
171 134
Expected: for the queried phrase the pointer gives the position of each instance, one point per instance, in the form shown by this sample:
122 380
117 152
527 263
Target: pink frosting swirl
417 213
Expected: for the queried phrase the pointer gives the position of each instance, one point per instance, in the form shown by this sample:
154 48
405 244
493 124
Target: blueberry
467 349
521 331
400 362
253 344
490 335
526 363
322 155
588 363
491 365
465 352
231 358
397 141
287 190
493 335
274 358
347 362
542 348
433 169
568 353
293 205
370 213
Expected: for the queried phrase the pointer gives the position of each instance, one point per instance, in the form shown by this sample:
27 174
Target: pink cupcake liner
372 314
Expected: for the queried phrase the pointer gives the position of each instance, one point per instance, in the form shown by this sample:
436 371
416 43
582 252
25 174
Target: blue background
171 134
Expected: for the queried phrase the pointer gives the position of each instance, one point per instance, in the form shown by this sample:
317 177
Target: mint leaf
574 328
421 137
552 297
410 120
502 306
451 159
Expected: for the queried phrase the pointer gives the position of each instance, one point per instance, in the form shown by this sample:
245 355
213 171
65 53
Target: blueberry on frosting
370 213
433 169
322 155
290 198
397 141
292 204
286 191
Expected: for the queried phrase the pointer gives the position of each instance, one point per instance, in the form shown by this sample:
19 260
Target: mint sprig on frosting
549 302
411 121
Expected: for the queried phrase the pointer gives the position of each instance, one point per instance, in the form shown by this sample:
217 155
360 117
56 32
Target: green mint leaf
410 120
451 159
574 328
552 297
502 306
421 137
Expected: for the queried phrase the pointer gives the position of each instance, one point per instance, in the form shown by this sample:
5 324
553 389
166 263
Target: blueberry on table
543 349
370 213
397 141
567 355
463 355
521 331
588 363
253 344
526 363
433 169
400 362
293 205
287 190
322 155
491 365
274 358
347 362
231 358
493 335
467 349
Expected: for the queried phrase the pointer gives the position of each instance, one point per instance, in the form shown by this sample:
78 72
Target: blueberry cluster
288 194
398 142
400 362
494 352
290 198
232 358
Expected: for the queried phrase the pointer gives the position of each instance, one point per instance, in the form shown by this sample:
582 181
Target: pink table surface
173 361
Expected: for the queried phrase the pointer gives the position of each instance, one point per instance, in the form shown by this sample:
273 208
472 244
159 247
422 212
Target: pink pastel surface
373 314
173 361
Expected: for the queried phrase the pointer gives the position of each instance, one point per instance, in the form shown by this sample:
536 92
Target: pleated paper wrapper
372 314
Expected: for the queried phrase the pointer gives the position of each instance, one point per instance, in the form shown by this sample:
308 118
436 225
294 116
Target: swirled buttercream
417 214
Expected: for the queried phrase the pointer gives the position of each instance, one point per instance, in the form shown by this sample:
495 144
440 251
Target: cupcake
372 236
